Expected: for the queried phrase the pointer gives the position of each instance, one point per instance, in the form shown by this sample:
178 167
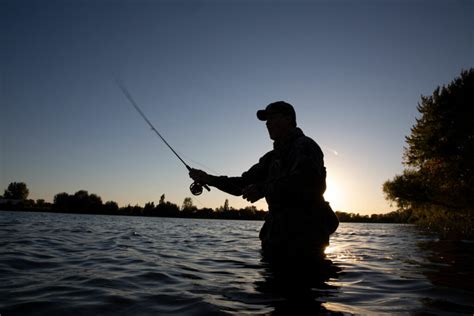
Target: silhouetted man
292 178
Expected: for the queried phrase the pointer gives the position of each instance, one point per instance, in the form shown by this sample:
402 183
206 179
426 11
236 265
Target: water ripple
52 264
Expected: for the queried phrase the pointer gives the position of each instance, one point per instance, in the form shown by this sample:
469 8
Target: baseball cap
280 107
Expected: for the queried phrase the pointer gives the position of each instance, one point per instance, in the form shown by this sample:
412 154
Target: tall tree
16 191
162 199
439 159
226 205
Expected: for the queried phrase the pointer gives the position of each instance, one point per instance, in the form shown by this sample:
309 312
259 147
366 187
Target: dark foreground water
109 265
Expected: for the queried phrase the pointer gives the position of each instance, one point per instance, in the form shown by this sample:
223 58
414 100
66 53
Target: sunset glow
200 71
334 195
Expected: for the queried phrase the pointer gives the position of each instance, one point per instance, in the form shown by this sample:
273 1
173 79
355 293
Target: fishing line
195 187
207 168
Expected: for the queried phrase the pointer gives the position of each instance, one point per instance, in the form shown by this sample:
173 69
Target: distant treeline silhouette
15 199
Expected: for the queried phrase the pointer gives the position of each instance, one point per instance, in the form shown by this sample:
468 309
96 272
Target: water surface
89 264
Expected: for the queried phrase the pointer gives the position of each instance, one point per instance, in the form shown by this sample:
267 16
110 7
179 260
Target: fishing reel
196 188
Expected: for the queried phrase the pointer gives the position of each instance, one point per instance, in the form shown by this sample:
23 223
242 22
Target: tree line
15 198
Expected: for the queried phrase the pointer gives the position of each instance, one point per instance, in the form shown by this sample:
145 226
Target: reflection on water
391 268
300 288
449 265
85 264
449 262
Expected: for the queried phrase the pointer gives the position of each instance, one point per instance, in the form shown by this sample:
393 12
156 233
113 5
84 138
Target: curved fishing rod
195 187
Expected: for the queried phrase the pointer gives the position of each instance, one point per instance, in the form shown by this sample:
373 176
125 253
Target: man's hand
199 176
251 193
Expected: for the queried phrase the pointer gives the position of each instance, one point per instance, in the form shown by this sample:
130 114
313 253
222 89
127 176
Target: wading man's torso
292 179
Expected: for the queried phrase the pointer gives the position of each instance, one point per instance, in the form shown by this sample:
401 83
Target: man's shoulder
305 142
267 156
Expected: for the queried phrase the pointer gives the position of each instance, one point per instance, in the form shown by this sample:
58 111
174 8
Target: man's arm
249 184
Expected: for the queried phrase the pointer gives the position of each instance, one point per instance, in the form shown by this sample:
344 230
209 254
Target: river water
53 264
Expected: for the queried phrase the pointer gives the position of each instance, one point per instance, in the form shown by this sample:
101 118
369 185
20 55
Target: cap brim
262 115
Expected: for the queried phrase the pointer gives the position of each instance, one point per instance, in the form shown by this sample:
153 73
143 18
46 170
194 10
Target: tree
62 202
80 201
149 208
439 159
162 199
167 209
187 204
226 205
16 191
188 209
111 207
95 203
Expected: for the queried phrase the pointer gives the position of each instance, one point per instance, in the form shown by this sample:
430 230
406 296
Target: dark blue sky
354 70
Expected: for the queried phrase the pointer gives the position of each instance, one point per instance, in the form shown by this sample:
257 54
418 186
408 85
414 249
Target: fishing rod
195 187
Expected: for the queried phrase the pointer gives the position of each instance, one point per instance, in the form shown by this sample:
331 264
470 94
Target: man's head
280 118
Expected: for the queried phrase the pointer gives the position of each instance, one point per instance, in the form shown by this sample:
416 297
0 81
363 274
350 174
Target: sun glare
333 194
